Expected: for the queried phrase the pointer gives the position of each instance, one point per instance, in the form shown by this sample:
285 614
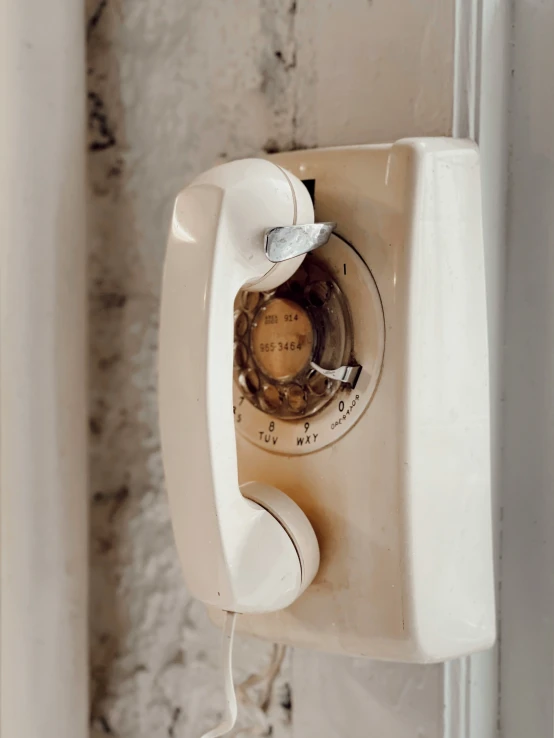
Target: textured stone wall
174 87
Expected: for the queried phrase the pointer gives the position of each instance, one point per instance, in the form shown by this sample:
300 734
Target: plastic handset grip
235 554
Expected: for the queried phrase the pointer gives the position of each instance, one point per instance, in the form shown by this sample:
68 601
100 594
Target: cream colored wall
173 88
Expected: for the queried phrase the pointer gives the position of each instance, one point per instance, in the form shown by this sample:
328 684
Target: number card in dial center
282 339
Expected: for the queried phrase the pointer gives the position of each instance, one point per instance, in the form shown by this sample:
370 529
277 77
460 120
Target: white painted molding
527 666
43 477
467 59
470 697
456 703
480 104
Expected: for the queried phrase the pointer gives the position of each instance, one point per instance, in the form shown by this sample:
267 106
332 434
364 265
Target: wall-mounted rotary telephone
324 398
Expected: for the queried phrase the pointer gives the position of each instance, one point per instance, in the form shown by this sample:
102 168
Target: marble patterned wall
174 87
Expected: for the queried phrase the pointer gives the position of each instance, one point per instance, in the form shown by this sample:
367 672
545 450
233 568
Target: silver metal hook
286 242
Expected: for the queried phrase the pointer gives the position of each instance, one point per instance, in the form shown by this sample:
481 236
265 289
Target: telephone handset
248 548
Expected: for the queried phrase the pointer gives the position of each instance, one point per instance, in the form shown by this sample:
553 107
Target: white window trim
480 111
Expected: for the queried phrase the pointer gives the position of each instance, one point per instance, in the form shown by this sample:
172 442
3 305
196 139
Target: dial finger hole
241 355
241 325
318 384
270 398
249 381
296 396
318 293
250 300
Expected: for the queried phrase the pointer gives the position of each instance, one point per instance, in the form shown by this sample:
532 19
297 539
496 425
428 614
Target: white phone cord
230 715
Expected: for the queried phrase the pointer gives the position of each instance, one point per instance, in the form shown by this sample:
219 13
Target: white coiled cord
230 714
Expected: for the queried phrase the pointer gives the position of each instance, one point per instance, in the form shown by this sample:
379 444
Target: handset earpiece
248 549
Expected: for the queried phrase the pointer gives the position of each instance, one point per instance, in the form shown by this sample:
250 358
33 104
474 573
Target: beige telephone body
350 381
